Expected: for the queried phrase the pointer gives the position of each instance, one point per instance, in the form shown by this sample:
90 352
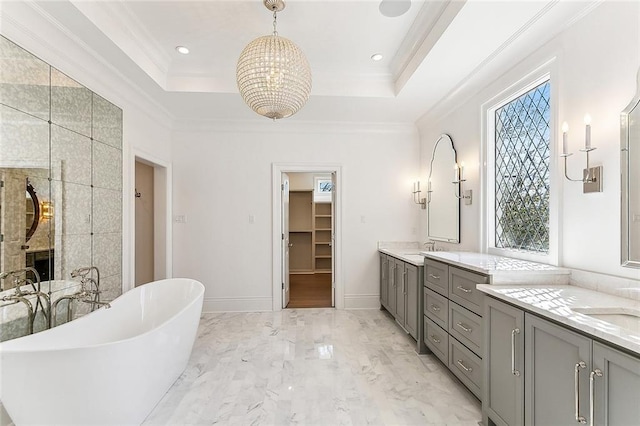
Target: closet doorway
144 224
309 240
150 217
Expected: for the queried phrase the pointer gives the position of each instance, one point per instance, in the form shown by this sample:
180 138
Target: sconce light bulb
565 127
587 119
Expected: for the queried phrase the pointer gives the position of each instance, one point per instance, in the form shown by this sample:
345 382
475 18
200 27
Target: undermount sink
627 318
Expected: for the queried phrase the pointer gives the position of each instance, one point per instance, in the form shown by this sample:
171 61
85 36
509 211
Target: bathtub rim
3 350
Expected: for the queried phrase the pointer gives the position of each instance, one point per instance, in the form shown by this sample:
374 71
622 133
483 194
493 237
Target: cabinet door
391 288
503 392
384 280
557 366
412 313
617 390
400 279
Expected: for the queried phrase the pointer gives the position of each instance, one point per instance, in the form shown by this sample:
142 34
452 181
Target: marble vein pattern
312 366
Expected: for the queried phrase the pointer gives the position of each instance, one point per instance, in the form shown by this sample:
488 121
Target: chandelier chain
275 19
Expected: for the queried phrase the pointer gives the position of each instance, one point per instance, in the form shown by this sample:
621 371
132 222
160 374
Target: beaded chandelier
273 74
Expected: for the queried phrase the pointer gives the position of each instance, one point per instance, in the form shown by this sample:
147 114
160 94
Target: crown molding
129 34
291 126
430 24
480 77
36 30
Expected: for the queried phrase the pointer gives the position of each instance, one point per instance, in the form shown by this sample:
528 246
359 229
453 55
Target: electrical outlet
180 218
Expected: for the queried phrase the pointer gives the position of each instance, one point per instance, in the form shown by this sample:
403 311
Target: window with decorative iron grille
522 171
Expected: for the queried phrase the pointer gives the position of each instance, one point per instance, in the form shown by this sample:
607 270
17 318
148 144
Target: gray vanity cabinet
453 314
557 365
541 373
412 298
399 281
503 393
400 294
388 283
616 378
384 280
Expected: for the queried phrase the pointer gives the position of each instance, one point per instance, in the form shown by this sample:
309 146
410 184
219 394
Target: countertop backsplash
616 286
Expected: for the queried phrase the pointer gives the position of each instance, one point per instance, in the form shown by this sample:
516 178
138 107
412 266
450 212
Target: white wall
596 62
222 176
145 124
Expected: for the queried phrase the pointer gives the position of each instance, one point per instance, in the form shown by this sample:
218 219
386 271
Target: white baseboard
237 304
262 304
362 301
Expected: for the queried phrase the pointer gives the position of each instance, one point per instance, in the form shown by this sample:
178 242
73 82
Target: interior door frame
284 245
162 178
325 168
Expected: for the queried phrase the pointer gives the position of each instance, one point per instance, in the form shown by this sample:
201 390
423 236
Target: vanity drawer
462 289
466 365
436 277
436 307
465 326
436 339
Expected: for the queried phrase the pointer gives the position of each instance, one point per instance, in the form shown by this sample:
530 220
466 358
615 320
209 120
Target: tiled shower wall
72 139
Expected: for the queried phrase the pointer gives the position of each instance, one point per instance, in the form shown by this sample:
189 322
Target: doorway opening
144 192
310 240
308 237
151 230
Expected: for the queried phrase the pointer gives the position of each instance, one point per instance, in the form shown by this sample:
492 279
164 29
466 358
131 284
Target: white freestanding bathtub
111 366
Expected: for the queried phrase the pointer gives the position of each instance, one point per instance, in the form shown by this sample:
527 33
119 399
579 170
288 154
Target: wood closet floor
310 291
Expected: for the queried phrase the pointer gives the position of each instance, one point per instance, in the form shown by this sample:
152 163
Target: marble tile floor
312 367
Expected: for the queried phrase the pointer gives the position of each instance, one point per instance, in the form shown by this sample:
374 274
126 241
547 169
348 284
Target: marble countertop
407 254
568 304
503 270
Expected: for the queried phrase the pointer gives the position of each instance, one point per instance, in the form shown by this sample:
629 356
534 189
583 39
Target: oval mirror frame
629 185
36 212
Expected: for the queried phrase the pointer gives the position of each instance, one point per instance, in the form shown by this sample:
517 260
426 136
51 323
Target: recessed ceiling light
376 57
394 8
182 49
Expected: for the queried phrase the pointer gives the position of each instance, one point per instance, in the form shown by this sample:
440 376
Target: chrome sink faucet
430 245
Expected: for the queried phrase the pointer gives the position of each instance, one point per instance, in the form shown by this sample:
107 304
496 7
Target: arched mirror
630 184
32 211
444 205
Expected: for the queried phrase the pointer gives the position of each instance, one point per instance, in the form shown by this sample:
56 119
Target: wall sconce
592 176
458 179
416 195
46 210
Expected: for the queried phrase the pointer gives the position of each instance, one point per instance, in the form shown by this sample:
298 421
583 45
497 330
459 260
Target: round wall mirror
32 211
